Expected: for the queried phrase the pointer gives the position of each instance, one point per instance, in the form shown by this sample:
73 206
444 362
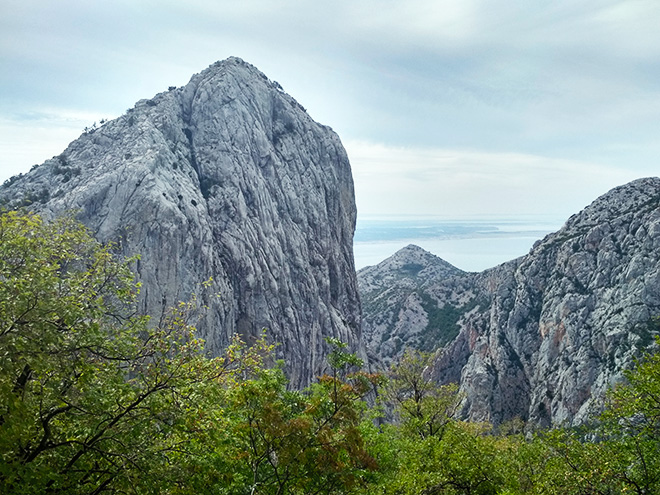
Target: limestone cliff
399 303
227 177
541 337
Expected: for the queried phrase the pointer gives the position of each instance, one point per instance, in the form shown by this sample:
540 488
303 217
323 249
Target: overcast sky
447 108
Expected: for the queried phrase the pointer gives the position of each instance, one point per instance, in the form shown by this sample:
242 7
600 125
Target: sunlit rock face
227 177
541 337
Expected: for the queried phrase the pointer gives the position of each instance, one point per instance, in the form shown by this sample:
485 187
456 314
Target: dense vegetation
96 399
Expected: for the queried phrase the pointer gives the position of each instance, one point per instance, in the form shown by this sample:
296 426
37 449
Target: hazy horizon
471 244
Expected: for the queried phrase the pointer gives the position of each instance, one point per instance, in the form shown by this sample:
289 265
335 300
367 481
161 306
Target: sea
471 244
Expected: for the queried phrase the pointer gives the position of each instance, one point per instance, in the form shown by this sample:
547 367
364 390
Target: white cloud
460 183
507 105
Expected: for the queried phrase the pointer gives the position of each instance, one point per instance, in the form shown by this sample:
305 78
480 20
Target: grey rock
541 337
403 305
227 177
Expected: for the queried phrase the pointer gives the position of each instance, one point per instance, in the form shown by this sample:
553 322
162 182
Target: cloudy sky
451 108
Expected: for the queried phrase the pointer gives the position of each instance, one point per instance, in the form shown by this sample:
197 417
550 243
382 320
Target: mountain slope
542 337
400 303
227 177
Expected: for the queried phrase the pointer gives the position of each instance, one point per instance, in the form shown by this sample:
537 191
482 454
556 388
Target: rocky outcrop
544 336
227 177
404 305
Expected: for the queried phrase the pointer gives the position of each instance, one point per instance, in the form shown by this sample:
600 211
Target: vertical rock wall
229 178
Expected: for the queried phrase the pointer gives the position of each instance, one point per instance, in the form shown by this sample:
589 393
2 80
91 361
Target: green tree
428 450
619 451
632 422
92 399
308 442
423 406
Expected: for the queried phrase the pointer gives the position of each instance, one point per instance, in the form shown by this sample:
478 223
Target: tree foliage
97 399
424 407
93 398
619 452
298 441
430 451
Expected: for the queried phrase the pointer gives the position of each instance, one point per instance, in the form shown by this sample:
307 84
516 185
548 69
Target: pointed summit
409 261
227 177
541 337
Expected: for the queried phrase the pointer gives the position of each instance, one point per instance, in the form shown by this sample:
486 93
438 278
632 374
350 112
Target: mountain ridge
226 177
541 337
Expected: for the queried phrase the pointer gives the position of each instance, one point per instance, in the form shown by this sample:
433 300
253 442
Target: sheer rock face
227 177
544 336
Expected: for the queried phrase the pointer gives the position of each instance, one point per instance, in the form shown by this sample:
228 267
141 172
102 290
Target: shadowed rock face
227 177
541 337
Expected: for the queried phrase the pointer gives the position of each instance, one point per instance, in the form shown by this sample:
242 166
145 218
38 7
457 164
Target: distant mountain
541 337
227 177
398 309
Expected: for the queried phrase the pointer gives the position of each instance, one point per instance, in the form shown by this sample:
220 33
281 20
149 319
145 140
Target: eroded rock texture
541 337
230 178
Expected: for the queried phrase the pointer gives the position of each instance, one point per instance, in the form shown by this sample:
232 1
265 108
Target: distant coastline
471 244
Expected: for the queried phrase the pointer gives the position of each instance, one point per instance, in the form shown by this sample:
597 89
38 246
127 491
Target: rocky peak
408 265
543 336
636 196
399 310
227 177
